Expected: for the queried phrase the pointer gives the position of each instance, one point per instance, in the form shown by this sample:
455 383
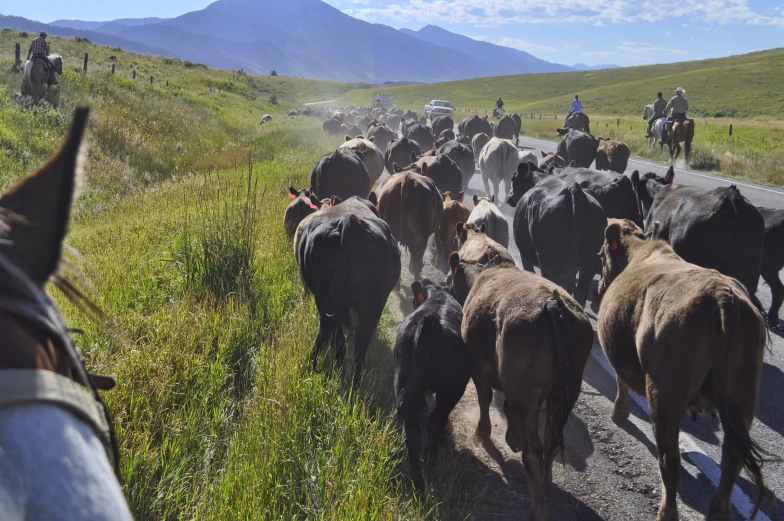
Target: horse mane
54 56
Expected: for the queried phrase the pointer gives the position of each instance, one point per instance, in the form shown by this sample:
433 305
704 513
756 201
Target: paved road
620 465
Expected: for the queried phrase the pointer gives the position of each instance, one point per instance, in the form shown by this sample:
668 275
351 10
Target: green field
743 90
179 232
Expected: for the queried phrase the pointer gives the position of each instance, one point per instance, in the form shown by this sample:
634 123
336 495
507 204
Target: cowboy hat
43 33
680 90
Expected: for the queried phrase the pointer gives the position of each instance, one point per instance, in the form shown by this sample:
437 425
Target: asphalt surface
611 470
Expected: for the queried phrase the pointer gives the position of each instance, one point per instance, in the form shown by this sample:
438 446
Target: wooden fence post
532 115
730 129
167 83
86 55
112 69
134 75
540 117
618 122
150 80
18 54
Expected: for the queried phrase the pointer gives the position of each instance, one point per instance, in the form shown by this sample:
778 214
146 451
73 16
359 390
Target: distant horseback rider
679 105
576 108
39 49
659 111
499 103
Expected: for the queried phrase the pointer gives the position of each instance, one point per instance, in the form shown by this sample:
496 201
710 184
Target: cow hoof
620 414
483 430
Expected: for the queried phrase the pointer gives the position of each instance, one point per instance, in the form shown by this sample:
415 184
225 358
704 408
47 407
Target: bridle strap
30 386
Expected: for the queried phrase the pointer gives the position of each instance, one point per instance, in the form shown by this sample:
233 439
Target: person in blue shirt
576 108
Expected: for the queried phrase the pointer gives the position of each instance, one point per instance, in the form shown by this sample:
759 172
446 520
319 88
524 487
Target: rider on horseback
499 103
576 108
659 111
678 104
39 49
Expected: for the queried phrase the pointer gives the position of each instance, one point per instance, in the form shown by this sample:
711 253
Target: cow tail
736 435
420 356
580 212
404 236
566 381
340 280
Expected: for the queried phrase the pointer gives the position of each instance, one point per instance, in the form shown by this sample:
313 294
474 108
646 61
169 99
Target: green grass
742 90
179 229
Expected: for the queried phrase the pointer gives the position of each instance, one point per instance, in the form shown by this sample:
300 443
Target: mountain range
306 38
584 67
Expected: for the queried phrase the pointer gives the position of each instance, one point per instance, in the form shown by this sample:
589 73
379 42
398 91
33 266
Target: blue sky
624 32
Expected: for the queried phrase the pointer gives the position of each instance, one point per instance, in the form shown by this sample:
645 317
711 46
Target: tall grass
219 257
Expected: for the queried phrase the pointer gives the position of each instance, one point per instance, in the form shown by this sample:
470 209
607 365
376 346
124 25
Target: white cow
498 162
370 154
487 213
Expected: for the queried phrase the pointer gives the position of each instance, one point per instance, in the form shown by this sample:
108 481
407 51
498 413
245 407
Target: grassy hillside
743 86
743 91
179 229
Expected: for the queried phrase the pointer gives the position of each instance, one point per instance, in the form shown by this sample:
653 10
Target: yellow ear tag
420 297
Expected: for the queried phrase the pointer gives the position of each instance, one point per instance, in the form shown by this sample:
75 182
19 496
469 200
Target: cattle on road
612 155
341 173
577 146
402 152
690 339
486 213
717 229
558 227
530 340
463 157
371 156
446 236
430 357
411 205
613 191
773 260
349 261
497 162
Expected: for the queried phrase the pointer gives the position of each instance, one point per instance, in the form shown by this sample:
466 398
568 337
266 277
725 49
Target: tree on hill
274 72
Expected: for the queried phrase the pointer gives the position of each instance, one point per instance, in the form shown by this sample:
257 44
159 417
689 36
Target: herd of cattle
679 267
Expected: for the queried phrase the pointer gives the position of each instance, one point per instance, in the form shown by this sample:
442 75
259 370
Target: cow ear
476 200
413 156
335 200
348 138
373 198
461 231
572 164
612 235
460 196
293 193
483 228
492 198
454 263
655 230
670 176
636 180
418 291
424 168
314 202
397 168
371 139
543 154
40 204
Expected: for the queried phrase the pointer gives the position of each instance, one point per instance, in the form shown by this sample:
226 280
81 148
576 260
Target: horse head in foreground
57 443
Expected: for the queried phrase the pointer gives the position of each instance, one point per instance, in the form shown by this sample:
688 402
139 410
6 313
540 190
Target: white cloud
522 45
491 13
600 54
598 23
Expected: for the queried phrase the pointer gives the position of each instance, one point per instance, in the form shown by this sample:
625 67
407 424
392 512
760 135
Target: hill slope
747 85
504 60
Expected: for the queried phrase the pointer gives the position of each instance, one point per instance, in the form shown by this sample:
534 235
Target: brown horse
36 76
679 132
56 436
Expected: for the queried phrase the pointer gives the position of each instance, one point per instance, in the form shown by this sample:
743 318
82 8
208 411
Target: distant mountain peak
584 67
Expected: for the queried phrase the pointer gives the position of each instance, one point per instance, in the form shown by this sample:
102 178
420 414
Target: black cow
613 191
340 173
332 126
421 135
577 146
463 157
442 123
557 226
350 261
399 151
475 125
443 171
381 136
518 125
718 229
773 260
430 357
506 128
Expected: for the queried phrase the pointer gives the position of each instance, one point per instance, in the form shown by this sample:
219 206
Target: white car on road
437 108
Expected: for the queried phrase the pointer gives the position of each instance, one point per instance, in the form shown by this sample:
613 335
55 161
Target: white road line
692 172
319 102
689 449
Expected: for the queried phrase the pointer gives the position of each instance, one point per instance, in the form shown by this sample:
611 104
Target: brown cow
688 338
304 203
476 246
447 133
612 155
446 242
528 338
478 142
411 205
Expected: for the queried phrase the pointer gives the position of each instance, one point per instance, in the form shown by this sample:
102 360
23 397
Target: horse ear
635 180
41 205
